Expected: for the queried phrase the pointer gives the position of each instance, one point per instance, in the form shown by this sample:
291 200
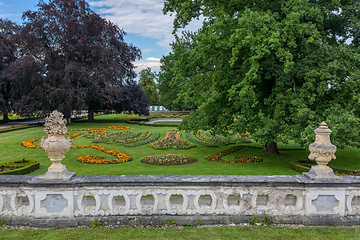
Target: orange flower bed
239 159
94 159
29 143
121 157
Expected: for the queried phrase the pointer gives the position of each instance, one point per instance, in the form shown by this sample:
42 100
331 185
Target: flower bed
7 169
190 137
112 136
133 139
154 137
93 132
30 143
172 140
168 160
121 157
239 159
218 139
19 167
248 159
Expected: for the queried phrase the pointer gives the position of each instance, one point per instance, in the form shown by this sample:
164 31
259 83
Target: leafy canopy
148 85
72 58
273 68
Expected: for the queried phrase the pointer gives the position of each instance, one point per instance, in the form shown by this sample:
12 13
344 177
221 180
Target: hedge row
23 167
303 166
299 167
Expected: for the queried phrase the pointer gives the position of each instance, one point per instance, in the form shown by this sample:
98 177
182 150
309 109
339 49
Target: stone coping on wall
211 199
175 180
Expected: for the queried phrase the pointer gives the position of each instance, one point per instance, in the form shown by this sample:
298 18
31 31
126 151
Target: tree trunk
5 117
91 114
271 149
68 117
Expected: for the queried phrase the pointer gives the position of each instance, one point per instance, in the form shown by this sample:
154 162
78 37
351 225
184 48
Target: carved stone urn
322 151
56 145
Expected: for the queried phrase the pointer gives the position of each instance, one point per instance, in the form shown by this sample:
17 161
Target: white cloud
151 62
143 18
147 50
153 59
9 15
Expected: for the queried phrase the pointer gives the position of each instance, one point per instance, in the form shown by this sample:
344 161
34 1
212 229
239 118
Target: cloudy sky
146 27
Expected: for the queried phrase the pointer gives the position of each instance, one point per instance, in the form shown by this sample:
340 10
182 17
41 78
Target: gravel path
153 120
13 124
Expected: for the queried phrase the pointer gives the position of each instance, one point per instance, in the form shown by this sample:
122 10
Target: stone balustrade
60 198
188 200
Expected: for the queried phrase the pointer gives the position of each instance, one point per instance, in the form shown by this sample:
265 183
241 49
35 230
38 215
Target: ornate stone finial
322 151
55 124
56 145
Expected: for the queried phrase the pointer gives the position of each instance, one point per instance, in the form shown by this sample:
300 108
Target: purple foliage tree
132 99
80 58
8 32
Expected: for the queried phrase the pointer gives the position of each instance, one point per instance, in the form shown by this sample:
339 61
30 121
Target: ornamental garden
125 145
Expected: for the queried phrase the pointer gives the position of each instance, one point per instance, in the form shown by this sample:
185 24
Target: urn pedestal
322 151
56 145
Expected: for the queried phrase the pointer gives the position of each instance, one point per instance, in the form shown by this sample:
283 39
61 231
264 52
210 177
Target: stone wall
188 200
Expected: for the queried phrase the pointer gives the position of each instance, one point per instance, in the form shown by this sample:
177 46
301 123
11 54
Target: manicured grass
177 123
11 149
242 232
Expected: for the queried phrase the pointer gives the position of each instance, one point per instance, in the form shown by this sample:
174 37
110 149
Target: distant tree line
67 57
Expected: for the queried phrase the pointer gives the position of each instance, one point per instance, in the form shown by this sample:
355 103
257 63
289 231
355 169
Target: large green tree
172 92
148 85
275 68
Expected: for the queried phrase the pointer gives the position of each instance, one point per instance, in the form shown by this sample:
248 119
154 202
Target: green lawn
11 149
257 232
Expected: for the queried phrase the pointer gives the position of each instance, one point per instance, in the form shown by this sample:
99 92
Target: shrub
304 166
19 167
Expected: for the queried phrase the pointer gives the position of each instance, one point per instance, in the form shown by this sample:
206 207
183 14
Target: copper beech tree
71 59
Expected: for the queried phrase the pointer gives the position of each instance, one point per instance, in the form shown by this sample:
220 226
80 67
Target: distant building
157 108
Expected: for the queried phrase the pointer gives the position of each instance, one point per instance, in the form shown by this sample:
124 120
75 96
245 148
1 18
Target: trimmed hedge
299 167
304 166
23 167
